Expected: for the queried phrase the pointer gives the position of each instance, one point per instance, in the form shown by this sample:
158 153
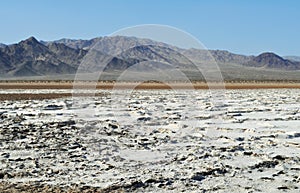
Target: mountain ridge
272 60
221 56
2 45
31 57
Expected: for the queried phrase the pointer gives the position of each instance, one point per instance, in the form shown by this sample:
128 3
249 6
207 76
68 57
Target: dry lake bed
151 141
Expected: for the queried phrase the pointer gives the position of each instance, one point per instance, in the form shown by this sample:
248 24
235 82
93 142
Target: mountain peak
30 40
33 57
269 54
272 60
269 57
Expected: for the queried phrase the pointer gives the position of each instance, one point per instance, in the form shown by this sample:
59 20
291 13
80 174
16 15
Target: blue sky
247 27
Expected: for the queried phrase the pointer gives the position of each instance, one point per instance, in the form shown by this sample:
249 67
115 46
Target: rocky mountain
75 44
29 58
113 45
34 58
271 60
2 45
68 55
158 54
118 44
220 56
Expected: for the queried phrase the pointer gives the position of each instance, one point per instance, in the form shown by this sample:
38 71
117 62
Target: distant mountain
29 58
292 58
220 56
117 44
110 45
68 55
158 54
271 60
2 45
35 58
75 44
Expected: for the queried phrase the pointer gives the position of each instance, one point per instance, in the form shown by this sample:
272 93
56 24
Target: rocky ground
153 141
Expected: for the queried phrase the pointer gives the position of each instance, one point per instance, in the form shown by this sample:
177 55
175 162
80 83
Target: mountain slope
75 44
271 60
219 56
33 58
5 64
2 45
66 54
112 45
29 57
157 54
117 45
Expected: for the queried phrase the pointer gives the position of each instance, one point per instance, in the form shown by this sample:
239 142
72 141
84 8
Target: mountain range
33 58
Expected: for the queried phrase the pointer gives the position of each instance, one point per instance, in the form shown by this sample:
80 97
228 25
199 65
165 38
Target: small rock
53 107
265 164
297 135
240 139
5 155
282 188
144 119
198 177
75 146
279 157
113 126
248 153
66 123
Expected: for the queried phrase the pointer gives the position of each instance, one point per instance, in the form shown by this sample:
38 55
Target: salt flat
153 140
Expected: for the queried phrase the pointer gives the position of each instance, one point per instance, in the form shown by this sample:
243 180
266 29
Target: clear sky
240 26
